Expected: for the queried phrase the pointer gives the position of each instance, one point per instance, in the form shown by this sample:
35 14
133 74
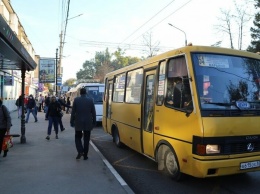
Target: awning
13 55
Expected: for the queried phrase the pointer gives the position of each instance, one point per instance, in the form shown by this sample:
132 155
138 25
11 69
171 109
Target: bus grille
239 148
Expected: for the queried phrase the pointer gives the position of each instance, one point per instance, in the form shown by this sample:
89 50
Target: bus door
148 113
108 106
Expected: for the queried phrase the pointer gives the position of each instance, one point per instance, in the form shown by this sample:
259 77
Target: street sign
8 80
59 81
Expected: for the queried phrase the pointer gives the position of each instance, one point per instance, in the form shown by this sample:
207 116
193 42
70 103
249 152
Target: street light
181 31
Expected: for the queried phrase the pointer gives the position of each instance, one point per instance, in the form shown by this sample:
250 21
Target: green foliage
255 31
121 60
69 82
88 71
102 64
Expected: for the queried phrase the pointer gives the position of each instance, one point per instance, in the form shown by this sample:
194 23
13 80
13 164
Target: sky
122 23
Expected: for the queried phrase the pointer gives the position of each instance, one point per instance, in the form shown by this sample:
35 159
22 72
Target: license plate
248 165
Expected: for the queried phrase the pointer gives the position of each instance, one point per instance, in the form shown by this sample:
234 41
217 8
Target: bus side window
174 92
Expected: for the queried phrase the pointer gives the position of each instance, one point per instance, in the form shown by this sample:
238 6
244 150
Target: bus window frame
114 81
183 109
140 97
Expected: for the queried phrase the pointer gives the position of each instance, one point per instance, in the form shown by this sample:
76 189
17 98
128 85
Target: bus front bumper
211 168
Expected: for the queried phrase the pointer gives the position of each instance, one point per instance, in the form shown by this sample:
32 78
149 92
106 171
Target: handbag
7 142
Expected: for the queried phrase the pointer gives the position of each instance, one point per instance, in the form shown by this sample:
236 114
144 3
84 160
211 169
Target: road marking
114 172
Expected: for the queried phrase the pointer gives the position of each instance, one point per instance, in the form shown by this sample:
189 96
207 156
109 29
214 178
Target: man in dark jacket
83 118
30 109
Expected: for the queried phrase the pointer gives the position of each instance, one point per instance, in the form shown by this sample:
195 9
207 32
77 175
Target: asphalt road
142 176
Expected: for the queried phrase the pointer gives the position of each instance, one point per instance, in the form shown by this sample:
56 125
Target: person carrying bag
5 125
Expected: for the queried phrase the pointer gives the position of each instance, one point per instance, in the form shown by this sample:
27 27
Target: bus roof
183 50
88 84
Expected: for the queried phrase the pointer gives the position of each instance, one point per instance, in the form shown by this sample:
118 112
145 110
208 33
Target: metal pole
181 31
56 69
23 138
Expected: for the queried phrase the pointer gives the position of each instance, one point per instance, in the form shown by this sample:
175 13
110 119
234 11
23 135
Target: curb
114 172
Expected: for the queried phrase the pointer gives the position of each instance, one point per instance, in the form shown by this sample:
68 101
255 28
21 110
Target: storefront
13 57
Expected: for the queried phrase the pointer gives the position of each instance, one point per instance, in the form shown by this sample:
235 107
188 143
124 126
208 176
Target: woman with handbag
53 116
5 124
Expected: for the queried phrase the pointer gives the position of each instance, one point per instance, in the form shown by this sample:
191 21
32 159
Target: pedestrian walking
40 100
68 103
54 109
26 101
37 106
5 124
18 103
83 118
46 103
31 109
61 102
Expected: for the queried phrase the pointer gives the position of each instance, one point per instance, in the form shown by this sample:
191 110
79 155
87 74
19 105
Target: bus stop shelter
13 56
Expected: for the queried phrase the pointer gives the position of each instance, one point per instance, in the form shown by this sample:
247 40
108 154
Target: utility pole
59 59
56 71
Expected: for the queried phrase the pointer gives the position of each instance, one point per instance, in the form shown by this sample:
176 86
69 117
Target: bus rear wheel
116 138
171 165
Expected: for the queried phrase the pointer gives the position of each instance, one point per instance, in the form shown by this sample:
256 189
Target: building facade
11 76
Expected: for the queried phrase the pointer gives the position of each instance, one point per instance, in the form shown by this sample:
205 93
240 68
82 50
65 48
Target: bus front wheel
171 165
116 138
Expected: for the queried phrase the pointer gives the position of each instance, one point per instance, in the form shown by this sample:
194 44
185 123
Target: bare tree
233 23
151 48
225 25
241 19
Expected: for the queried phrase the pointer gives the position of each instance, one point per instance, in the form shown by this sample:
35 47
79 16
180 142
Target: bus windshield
96 93
227 82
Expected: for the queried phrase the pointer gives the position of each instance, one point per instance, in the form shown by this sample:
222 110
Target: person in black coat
83 117
54 109
60 101
5 124
30 109
19 103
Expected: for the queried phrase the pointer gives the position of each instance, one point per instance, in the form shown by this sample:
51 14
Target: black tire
116 139
171 165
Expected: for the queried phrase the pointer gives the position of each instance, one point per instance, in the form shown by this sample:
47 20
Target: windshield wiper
219 103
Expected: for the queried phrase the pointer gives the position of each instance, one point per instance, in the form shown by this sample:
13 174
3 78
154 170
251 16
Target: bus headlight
212 149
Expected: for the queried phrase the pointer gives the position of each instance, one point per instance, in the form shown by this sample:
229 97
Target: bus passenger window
179 93
174 92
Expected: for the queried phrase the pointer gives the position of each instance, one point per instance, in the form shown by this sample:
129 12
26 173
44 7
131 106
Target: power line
164 18
123 46
147 22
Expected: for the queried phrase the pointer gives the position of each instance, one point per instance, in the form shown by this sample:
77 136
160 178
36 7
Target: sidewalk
40 166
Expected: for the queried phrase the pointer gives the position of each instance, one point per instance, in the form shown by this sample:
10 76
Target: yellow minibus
193 110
